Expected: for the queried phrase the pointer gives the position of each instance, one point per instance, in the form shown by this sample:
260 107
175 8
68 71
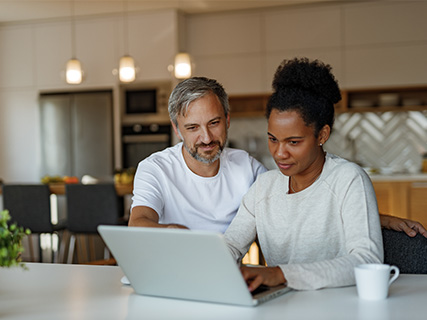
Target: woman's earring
321 144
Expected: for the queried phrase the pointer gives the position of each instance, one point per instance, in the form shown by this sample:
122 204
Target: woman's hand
411 228
258 275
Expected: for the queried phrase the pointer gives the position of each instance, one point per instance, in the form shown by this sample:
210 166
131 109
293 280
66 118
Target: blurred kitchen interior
369 44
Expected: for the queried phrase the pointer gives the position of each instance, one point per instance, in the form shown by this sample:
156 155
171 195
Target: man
198 183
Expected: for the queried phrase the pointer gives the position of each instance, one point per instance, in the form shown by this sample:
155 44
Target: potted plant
11 236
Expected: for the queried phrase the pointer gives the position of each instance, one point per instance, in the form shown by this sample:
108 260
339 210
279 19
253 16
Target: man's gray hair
192 89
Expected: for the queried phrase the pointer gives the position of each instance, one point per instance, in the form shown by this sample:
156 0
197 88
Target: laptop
182 264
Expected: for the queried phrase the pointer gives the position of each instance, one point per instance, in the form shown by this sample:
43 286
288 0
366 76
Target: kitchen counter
408 177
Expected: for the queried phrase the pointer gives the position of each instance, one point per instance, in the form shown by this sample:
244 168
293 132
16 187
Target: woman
316 217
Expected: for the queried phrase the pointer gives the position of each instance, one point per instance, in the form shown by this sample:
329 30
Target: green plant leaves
11 241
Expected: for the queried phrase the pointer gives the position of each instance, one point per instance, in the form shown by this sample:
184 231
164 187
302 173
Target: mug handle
396 274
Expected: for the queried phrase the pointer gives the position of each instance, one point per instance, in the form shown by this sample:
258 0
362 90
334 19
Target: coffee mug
373 280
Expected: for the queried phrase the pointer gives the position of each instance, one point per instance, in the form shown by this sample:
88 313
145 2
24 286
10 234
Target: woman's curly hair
308 88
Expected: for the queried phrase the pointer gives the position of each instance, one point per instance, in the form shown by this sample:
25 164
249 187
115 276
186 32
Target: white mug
373 280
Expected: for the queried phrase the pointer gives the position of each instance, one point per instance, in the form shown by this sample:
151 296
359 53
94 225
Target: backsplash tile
393 141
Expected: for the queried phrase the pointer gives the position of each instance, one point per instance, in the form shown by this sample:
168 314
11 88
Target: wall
367 44
33 57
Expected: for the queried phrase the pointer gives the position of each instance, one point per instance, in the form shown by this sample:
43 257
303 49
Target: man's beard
199 157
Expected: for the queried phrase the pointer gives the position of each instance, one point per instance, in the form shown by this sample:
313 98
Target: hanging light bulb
73 70
127 72
127 69
74 73
182 67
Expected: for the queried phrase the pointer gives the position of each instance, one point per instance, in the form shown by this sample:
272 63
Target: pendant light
127 70
74 72
182 66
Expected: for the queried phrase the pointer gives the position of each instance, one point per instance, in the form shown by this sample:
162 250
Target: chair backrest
91 205
29 206
409 254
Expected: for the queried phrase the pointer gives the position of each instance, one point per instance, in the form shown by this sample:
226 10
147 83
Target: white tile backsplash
392 140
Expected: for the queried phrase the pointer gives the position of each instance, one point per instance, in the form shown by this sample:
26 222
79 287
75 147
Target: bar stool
29 206
88 206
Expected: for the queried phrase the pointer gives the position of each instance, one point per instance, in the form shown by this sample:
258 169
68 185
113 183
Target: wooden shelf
250 105
408 99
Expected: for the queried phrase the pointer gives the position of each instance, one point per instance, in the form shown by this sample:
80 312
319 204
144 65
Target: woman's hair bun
313 76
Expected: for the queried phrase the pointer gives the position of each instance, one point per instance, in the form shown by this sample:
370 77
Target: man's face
203 128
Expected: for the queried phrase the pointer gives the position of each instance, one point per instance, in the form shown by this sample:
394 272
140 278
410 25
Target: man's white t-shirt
164 183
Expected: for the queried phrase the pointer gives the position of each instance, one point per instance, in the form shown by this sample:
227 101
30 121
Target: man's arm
411 228
142 216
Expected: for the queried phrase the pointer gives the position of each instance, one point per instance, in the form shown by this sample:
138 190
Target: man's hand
142 216
258 275
411 228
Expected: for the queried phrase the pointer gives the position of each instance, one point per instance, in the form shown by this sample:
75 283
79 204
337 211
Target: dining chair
29 206
408 254
89 206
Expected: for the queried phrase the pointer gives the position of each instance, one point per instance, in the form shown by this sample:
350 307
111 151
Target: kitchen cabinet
249 105
418 202
393 197
383 99
353 100
405 199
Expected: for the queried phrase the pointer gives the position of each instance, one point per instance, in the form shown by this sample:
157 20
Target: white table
55 291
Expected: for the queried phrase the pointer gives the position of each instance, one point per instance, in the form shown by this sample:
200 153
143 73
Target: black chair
29 206
408 254
89 206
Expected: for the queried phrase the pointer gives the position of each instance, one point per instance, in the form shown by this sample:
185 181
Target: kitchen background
369 44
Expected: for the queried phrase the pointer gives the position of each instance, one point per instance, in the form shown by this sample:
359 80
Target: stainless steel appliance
141 140
145 103
77 134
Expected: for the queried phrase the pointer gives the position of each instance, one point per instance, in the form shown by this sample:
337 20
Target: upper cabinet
383 99
353 100
248 105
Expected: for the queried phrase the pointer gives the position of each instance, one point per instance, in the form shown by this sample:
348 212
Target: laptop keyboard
262 288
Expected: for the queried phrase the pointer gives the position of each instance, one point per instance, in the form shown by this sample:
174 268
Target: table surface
58 291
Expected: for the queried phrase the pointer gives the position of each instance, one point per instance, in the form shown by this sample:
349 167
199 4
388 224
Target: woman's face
293 145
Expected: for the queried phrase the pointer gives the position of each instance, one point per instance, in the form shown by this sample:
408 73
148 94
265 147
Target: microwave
145 102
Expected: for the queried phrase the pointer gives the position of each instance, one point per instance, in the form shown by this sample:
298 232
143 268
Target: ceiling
29 10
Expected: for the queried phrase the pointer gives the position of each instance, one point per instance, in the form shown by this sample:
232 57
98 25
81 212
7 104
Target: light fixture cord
125 28
73 32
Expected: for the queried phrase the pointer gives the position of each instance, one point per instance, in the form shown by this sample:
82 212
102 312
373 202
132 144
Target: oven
141 140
